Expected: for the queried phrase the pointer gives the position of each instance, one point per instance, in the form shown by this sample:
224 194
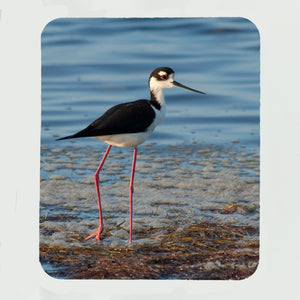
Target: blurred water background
89 65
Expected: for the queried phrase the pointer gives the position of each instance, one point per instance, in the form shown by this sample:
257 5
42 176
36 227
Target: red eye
164 76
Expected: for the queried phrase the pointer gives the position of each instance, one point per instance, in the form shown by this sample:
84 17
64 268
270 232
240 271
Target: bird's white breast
159 115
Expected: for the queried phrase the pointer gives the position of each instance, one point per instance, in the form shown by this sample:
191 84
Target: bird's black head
162 73
163 77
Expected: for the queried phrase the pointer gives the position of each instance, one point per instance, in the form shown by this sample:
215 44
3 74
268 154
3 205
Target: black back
130 117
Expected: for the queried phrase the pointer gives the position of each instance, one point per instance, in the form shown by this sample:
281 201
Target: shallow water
183 185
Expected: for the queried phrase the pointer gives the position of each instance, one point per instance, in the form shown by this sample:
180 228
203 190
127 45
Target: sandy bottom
181 194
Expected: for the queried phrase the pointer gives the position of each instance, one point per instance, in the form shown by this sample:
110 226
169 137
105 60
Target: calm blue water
88 65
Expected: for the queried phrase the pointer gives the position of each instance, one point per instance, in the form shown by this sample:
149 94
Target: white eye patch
160 73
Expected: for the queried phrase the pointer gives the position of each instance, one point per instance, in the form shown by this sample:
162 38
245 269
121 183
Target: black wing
130 117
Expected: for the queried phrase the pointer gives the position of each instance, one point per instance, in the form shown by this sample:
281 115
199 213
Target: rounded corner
253 24
250 276
50 23
49 275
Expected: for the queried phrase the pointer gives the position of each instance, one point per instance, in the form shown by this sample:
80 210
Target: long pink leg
131 191
96 177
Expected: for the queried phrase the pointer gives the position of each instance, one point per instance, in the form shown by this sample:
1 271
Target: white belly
126 139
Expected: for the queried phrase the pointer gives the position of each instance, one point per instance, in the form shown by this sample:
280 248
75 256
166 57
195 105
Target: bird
129 125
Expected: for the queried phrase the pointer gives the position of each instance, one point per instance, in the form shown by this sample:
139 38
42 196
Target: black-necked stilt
129 125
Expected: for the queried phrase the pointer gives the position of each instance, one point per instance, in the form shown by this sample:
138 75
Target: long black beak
186 87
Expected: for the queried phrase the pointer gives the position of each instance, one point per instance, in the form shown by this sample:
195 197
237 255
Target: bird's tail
67 137
79 134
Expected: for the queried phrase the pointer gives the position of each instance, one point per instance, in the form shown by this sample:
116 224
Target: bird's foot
96 234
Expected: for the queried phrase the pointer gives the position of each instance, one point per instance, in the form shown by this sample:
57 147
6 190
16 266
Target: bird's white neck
157 94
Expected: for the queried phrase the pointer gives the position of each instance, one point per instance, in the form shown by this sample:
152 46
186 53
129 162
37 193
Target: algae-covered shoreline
200 251
196 213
